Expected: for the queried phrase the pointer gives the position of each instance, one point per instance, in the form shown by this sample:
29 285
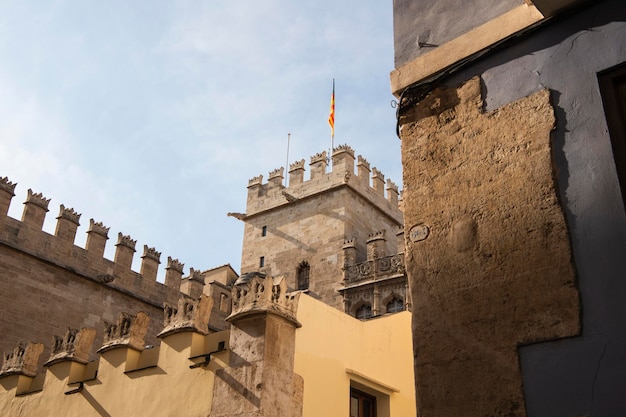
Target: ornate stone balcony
379 268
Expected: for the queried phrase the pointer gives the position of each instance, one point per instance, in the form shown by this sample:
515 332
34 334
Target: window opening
303 275
224 302
364 312
613 91
264 231
261 261
395 305
361 404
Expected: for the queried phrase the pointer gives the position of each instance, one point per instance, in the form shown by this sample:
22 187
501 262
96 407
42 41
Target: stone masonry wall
310 219
488 252
314 231
40 300
48 283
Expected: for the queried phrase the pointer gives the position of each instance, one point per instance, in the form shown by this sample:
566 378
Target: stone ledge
463 46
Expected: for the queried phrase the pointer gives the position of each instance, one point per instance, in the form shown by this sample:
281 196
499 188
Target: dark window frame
303 274
361 308
394 308
362 398
612 83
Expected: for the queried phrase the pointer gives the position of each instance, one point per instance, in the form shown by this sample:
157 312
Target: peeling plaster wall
583 375
495 269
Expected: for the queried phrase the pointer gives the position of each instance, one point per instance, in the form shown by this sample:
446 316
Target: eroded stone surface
495 270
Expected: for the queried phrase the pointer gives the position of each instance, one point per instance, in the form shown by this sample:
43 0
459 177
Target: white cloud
152 117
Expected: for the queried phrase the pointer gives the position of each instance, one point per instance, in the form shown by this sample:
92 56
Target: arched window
395 305
303 275
364 312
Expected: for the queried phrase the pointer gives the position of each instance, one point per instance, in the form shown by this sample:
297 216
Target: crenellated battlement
72 354
260 293
84 286
69 214
369 183
186 344
59 249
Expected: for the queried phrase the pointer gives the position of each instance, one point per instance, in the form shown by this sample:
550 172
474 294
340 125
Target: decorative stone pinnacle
318 157
343 148
391 185
380 235
69 214
74 346
188 316
151 253
278 172
195 275
348 243
126 240
98 228
174 264
255 181
22 361
377 174
7 186
128 331
37 199
263 294
296 165
362 161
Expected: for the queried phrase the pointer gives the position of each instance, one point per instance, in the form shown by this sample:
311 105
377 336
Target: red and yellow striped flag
331 116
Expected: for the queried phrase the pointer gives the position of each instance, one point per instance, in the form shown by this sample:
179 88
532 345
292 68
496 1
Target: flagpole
287 164
331 122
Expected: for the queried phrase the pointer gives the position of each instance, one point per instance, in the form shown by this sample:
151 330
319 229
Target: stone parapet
249 368
59 249
150 261
193 285
22 360
263 294
35 209
296 172
72 367
264 197
129 330
74 346
187 316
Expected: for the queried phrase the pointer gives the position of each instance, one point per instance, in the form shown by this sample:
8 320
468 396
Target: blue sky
151 116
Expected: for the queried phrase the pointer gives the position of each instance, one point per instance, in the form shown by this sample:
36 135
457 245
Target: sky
151 116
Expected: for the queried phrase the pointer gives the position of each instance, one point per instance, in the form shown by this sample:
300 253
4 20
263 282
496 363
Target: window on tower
303 275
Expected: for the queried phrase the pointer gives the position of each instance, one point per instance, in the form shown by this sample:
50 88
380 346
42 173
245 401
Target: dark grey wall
585 375
438 21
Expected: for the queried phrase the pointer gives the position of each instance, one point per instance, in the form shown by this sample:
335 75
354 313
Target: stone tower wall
310 219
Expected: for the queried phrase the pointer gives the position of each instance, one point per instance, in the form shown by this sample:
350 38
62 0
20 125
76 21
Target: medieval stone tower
299 231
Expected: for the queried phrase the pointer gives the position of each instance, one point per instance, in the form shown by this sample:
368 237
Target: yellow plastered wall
170 388
335 351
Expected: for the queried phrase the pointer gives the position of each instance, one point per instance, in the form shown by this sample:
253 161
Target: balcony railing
379 268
